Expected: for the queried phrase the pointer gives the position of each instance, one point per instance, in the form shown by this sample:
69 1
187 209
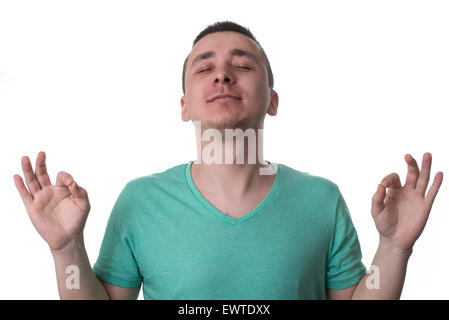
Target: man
214 230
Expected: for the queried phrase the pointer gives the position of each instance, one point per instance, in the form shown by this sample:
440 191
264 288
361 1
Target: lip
224 96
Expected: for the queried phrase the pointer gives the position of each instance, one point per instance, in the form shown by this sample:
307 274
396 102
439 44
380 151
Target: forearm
392 266
75 255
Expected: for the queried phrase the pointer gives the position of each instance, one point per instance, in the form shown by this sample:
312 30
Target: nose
224 77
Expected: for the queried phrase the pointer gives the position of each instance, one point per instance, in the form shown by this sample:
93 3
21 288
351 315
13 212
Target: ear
184 113
273 107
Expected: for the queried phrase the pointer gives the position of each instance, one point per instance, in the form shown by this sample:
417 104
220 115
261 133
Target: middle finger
412 171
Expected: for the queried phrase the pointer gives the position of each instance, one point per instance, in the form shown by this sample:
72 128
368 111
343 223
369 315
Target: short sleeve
344 266
116 263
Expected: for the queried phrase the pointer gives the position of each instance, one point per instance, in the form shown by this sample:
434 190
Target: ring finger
30 177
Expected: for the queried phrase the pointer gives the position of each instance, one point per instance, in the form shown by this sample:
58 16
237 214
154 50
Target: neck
231 161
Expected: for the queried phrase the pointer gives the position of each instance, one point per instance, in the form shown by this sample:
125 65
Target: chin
229 123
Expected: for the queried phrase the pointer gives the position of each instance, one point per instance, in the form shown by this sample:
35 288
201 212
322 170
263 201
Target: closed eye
240 67
203 70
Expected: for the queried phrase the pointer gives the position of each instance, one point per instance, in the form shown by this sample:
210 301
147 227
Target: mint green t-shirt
297 242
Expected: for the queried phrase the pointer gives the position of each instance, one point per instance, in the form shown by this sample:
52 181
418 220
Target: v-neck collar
234 221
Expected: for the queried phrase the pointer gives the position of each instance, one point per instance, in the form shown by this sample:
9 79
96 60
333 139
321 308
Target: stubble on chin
232 124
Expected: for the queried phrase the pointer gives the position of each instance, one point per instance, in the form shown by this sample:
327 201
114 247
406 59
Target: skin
400 213
59 212
233 189
257 99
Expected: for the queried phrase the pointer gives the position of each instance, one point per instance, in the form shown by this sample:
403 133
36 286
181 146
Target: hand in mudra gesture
401 212
58 212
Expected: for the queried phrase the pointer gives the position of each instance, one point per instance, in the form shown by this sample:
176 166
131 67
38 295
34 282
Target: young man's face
227 63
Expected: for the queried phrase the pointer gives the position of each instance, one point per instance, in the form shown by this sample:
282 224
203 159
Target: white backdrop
97 85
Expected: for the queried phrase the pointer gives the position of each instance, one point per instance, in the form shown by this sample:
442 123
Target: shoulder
310 184
170 178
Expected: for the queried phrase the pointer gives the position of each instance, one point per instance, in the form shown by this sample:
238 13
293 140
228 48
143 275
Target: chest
236 208
265 261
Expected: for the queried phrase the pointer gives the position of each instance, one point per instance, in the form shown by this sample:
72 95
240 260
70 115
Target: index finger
391 181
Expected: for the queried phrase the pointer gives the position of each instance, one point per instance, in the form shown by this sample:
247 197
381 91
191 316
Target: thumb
63 179
77 191
378 201
391 181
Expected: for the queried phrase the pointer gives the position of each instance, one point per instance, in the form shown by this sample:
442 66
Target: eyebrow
234 52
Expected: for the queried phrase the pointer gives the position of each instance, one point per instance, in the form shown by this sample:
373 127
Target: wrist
76 244
387 246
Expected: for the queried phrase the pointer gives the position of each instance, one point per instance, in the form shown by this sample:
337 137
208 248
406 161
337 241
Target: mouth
224 97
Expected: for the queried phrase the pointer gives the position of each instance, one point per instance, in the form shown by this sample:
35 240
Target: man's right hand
58 212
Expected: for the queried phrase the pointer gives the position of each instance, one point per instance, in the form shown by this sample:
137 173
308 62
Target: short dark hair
228 26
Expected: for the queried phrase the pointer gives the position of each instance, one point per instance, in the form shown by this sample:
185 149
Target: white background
97 85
